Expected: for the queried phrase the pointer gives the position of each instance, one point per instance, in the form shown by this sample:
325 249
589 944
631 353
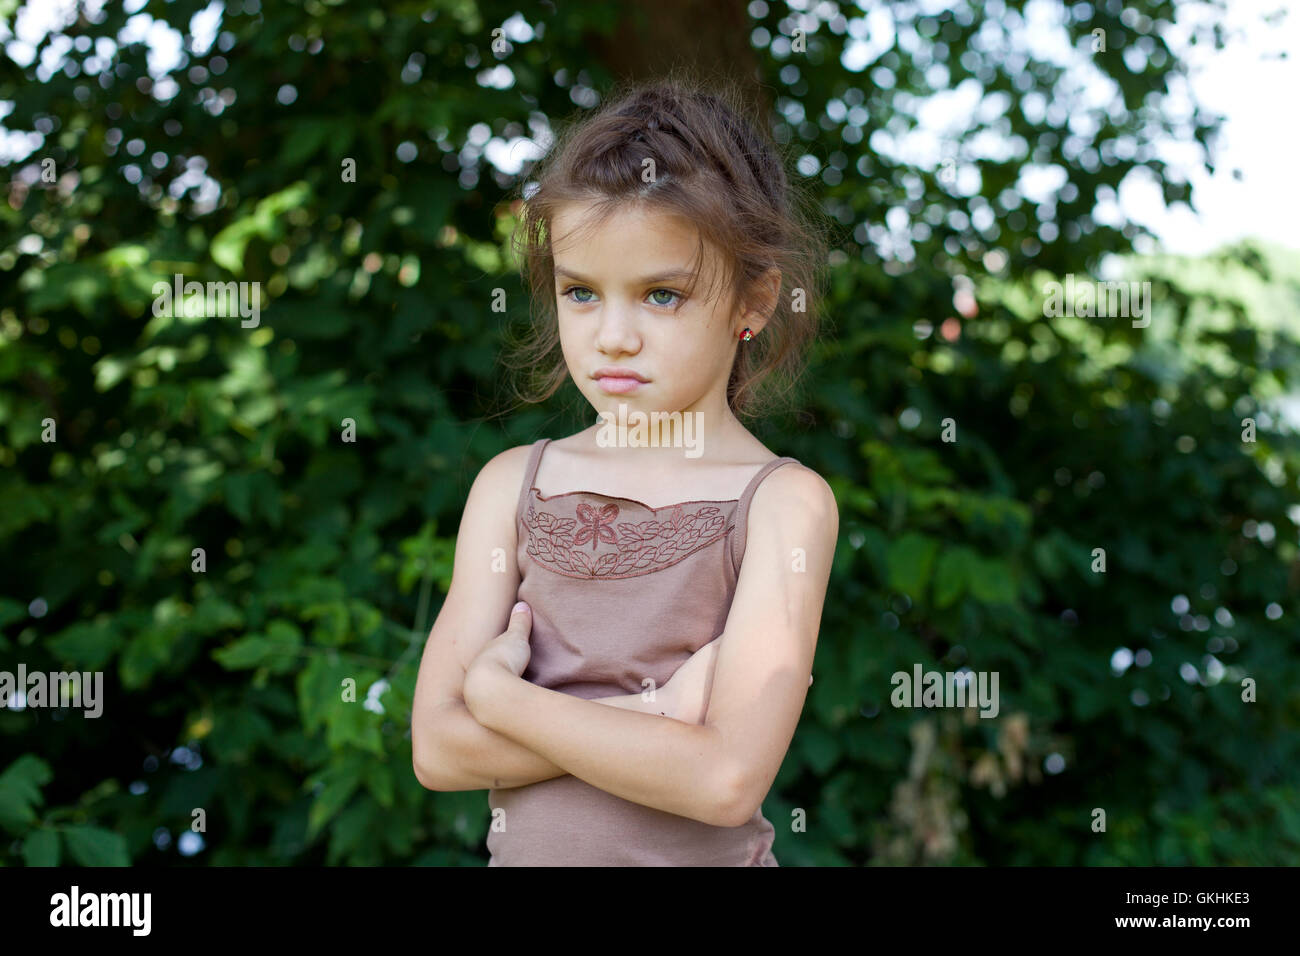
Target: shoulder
506 469
500 481
796 496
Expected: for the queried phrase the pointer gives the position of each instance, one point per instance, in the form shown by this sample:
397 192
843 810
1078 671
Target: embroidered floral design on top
597 525
642 546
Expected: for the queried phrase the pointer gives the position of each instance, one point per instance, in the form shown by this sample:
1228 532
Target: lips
618 385
618 372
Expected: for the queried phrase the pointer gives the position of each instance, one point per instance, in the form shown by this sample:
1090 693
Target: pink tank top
620 591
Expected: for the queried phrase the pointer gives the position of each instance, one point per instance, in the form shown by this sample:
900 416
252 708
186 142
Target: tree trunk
703 38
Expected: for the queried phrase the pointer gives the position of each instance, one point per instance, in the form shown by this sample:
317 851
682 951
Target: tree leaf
910 560
952 574
20 791
277 650
93 846
41 848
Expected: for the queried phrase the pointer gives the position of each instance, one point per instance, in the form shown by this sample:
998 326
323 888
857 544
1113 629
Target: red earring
746 335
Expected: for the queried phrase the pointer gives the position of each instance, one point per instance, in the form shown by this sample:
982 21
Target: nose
617 332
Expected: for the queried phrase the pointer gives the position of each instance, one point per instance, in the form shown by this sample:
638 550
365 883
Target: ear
761 300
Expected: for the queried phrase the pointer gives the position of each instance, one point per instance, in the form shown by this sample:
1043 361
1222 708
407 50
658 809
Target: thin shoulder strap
530 475
742 510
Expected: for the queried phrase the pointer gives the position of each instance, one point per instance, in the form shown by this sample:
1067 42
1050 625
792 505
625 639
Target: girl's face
621 301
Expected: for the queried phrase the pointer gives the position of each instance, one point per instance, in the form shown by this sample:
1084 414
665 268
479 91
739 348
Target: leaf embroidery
641 547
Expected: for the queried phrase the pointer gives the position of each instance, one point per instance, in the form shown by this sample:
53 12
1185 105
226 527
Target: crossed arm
718 770
471 756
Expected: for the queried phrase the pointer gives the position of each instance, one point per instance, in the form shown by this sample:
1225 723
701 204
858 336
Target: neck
654 437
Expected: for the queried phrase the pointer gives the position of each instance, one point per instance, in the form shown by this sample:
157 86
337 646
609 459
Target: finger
521 617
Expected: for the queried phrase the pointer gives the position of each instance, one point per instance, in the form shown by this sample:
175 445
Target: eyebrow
668 276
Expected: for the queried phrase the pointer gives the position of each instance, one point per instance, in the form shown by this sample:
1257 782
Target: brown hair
712 166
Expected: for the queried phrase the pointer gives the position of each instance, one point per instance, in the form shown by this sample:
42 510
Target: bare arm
665 764
716 772
450 749
480 594
488 759
471 757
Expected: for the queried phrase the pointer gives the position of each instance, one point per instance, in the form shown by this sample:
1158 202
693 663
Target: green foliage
20 791
267 680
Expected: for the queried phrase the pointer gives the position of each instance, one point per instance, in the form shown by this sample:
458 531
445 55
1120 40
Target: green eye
668 292
576 293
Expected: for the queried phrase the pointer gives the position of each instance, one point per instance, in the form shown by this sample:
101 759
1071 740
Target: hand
686 695
509 652
687 692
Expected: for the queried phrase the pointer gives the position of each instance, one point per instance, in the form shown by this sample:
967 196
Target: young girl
679 583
